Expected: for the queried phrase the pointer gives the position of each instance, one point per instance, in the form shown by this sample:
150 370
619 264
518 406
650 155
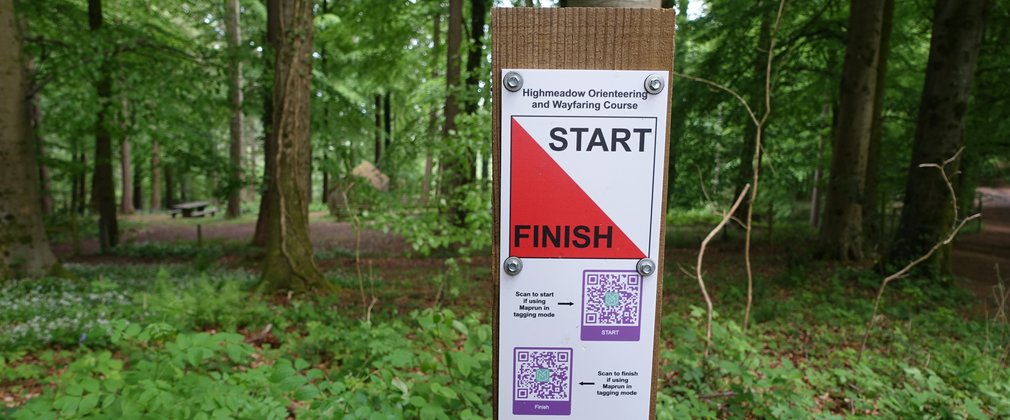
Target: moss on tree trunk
24 250
928 215
289 263
841 231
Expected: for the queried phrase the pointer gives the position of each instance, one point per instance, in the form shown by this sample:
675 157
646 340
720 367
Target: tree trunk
453 166
678 120
233 33
251 190
326 182
324 163
35 113
138 186
183 185
289 262
24 249
378 129
268 194
871 196
387 122
80 181
842 233
104 188
474 59
155 176
815 192
126 163
169 186
475 54
429 157
928 216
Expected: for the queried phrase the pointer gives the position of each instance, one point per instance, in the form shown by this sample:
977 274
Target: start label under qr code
611 305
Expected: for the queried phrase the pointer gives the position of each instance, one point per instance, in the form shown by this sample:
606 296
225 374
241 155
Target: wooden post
585 39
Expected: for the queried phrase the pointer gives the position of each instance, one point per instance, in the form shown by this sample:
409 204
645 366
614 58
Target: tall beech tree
927 216
103 184
841 231
429 157
24 250
289 262
454 172
269 194
155 176
125 162
872 216
234 37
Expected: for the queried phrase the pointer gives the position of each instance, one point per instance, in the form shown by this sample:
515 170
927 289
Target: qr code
543 374
612 298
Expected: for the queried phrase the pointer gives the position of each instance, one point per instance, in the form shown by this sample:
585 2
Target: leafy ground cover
182 341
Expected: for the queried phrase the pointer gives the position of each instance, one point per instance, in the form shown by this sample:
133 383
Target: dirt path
976 255
326 234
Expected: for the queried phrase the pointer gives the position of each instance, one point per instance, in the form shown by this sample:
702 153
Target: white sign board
582 167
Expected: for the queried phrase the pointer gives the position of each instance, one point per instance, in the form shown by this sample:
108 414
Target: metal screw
654 84
512 81
646 267
513 266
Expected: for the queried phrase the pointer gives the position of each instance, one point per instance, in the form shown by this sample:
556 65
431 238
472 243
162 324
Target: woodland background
347 144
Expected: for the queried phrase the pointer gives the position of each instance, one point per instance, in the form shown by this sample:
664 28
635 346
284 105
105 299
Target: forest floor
403 324
977 255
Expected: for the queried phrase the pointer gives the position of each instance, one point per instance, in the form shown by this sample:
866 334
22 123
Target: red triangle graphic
551 216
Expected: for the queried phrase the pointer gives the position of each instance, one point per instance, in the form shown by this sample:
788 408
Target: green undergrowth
174 342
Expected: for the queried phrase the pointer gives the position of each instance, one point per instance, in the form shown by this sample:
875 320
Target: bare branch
743 102
739 222
756 164
701 257
955 228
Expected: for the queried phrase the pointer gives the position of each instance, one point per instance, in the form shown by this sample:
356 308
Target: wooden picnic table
193 209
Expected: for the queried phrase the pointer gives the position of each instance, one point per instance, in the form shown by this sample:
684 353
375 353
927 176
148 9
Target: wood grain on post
614 3
583 39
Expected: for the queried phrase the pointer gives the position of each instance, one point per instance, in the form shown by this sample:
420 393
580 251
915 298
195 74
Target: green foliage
71 312
177 343
441 371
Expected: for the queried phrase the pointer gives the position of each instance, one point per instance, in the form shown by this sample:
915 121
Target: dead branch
701 257
958 225
756 165
714 395
743 101
756 161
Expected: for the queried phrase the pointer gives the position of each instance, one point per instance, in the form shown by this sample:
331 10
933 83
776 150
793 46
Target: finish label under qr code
611 305
543 381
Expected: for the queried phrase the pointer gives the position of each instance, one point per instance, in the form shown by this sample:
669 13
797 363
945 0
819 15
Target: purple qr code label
611 305
542 381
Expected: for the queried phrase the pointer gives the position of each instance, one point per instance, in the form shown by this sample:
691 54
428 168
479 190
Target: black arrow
587 383
566 303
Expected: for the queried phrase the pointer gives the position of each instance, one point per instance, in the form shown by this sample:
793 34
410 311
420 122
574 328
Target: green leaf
236 352
291 383
306 393
402 386
444 391
88 403
68 405
461 327
75 389
90 385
